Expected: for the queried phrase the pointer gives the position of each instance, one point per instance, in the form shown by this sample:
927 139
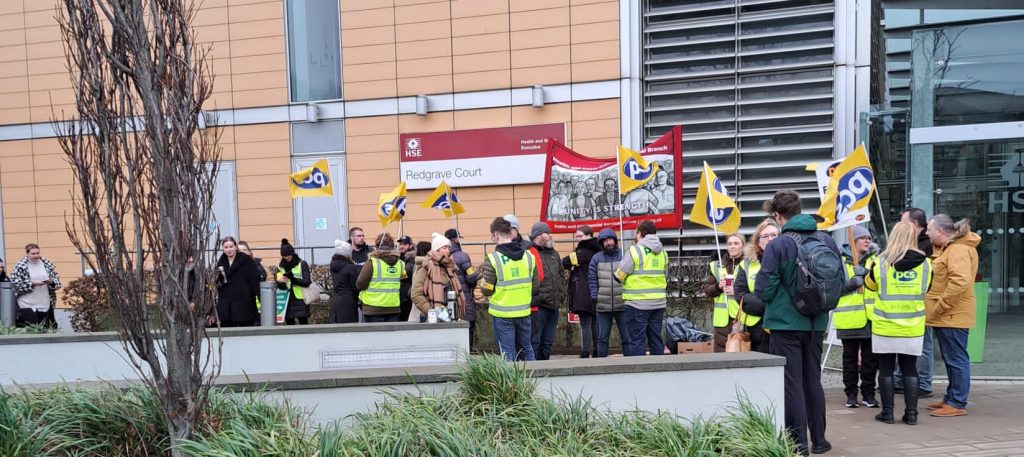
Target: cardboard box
696 348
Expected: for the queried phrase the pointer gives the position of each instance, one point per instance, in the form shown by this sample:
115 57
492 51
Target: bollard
8 305
268 301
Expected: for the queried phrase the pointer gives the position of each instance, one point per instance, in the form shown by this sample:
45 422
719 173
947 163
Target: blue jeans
382 318
953 345
924 365
604 331
645 330
513 336
545 322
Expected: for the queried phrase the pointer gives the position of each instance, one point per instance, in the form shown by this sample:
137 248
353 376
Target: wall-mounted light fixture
421 105
538 96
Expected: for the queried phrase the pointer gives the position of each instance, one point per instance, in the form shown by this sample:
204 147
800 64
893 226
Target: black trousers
804 397
887 364
867 368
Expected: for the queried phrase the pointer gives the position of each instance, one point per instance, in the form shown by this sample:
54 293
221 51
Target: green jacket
776 282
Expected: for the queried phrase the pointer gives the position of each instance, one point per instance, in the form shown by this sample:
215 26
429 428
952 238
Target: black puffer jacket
237 289
297 307
578 264
345 297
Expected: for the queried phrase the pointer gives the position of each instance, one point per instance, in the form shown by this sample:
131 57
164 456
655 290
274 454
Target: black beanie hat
286 247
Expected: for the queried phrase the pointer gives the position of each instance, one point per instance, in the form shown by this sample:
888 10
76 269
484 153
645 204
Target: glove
859 271
854 283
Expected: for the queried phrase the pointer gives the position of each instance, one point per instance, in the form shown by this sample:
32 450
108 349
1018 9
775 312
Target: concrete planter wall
32 359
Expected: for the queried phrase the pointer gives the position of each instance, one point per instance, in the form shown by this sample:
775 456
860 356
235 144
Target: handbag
739 338
311 294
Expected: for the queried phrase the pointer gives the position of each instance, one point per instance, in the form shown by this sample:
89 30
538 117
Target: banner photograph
580 190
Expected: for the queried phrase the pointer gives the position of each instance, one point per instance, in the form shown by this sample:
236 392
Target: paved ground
993 427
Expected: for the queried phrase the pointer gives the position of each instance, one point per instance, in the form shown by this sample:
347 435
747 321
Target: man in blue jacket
795 336
606 293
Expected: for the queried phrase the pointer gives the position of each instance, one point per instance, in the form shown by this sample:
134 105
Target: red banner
580 190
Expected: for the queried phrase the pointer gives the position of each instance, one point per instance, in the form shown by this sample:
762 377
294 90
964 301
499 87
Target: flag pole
714 225
618 180
451 207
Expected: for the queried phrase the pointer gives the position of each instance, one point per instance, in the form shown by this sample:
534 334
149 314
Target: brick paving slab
993 427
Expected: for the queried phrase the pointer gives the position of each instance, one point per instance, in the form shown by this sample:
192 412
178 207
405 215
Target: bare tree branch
145 177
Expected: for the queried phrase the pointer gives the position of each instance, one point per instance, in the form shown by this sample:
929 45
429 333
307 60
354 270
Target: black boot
888 394
910 397
584 355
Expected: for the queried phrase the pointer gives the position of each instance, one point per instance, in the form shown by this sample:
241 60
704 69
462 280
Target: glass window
968 74
314 50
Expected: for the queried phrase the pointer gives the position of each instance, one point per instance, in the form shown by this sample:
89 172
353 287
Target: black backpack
820 274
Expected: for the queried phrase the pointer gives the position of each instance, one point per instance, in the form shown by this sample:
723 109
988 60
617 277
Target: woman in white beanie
345 297
434 277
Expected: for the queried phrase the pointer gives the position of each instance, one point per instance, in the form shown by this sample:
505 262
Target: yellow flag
850 188
391 205
634 171
713 207
444 199
314 181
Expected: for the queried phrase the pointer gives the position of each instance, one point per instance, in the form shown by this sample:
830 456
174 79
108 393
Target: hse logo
854 186
1013 170
632 169
718 215
396 204
392 269
317 179
413 147
905 276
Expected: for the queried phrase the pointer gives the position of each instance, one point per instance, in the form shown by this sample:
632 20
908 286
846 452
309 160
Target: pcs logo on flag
387 207
719 215
317 179
854 186
633 170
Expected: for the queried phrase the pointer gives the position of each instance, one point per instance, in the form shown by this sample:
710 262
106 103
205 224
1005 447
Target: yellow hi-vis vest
384 285
851 313
647 281
899 310
750 269
513 289
297 272
723 303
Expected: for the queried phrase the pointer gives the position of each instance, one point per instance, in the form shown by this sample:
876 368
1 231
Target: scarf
441 274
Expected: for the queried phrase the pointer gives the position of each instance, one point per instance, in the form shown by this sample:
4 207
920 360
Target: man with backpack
801 279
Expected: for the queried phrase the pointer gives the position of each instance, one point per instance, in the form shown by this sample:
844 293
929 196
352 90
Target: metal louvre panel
752 83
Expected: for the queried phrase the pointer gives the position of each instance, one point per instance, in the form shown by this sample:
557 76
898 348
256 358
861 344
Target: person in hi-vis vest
901 276
643 273
380 282
719 287
746 273
850 320
509 278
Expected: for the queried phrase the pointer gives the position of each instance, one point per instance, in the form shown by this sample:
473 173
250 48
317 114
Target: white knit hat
438 241
342 248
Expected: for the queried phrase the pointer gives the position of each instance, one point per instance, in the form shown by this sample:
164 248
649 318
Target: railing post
268 303
7 304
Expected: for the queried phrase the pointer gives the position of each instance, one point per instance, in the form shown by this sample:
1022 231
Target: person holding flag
716 210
